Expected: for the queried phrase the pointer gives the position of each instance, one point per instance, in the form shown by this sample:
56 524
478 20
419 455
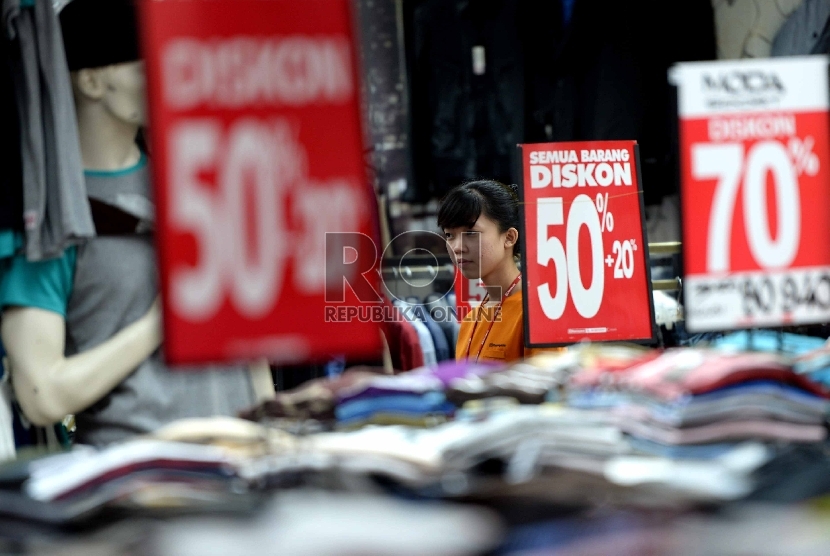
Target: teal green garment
142 162
10 243
44 284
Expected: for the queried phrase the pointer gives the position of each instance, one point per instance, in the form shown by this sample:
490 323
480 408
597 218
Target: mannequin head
101 43
118 90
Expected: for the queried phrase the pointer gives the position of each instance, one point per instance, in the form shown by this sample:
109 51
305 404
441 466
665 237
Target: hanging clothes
488 74
467 93
439 340
424 337
449 324
404 342
567 11
56 211
805 31
747 28
603 75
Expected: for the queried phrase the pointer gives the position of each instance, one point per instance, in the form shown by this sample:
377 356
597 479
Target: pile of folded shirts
388 401
531 381
422 455
814 364
783 343
546 435
695 396
190 464
145 472
543 377
532 445
416 398
315 399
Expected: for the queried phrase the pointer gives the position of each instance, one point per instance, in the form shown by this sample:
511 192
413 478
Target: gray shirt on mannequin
115 282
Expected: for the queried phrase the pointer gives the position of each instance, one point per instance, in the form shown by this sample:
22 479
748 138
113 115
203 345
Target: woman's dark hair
462 206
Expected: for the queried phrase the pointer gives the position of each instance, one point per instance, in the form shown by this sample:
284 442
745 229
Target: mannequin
110 106
93 352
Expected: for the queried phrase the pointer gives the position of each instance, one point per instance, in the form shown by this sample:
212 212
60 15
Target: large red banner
585 259
265 216
755 144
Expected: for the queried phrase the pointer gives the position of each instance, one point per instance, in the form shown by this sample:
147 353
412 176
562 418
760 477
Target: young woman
480 221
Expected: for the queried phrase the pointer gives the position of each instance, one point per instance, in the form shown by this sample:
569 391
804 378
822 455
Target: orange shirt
506 339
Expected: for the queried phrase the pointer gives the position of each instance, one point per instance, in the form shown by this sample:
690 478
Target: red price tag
257 155
585 258
755 190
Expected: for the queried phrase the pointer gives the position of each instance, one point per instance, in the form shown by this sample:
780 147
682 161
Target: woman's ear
89 82
511 237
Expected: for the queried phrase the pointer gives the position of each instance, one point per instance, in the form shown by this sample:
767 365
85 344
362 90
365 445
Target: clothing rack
407 271
665 248
661 250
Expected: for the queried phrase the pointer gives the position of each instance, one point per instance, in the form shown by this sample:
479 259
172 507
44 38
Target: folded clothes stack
815 365
416 398
315 399
423 455
771 341
539 451
543 377
696 396
195 464
528 382
638 424
145 473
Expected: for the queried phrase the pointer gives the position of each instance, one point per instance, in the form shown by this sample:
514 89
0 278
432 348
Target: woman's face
478 250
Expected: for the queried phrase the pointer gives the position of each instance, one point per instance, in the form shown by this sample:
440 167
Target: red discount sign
260 179
469 293
586 273
755 191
